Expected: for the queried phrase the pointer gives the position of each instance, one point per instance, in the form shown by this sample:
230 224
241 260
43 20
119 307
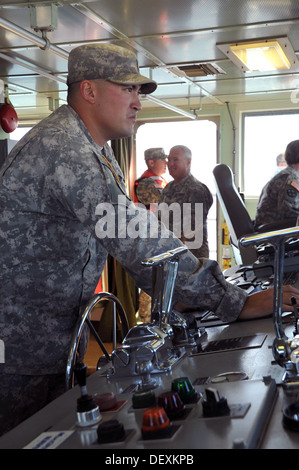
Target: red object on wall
8 118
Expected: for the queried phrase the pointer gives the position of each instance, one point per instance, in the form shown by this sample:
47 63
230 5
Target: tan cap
112 63
154 153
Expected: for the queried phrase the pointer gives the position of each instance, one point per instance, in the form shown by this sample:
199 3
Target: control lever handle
164 282
277 239
88 412
80 371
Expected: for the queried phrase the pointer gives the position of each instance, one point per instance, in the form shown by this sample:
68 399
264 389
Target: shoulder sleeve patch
295 185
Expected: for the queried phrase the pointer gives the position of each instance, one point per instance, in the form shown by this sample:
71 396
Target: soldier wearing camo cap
56 185
148 188
279 199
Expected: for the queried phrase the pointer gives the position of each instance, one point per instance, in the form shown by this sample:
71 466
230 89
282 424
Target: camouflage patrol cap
109 62
154 153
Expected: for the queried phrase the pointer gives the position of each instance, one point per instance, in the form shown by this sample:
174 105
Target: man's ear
87 91
150 163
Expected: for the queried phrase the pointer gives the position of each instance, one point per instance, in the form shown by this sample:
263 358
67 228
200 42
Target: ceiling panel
165 34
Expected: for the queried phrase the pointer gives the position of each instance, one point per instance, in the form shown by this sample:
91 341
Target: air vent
200 70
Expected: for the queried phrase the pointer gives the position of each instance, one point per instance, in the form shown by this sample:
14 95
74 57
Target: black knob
80 371
214 404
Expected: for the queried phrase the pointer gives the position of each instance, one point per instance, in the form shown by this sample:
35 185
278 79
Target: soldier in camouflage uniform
56 188
148 190
279 199
187 189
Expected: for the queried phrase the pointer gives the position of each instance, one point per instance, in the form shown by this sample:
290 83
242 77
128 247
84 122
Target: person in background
280 163
279 199
148 190
186 189
60 188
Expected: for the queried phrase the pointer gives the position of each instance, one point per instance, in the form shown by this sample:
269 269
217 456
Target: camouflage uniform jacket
190 190
279 198
149 189
54 189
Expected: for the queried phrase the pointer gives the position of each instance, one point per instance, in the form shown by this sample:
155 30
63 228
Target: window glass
201 137
265 138
19 133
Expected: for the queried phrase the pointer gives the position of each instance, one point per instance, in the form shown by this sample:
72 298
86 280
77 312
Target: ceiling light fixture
261 55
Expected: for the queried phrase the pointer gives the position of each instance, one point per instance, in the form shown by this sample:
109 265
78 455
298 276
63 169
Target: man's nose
136 102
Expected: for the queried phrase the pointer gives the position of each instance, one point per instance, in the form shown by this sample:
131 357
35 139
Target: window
201 137
266 135
19 133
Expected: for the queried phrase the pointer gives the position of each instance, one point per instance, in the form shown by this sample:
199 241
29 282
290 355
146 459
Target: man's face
158 166
116 109
178 164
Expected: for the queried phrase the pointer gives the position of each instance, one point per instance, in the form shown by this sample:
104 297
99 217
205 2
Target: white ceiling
165 34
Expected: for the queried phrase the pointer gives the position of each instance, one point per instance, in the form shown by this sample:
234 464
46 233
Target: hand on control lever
260 304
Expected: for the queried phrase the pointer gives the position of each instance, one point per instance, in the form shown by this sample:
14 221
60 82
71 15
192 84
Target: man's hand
260 304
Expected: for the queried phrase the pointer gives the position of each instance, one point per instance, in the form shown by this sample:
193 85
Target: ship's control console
180 382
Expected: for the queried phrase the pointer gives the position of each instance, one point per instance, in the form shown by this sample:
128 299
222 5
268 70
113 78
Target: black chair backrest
234 210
